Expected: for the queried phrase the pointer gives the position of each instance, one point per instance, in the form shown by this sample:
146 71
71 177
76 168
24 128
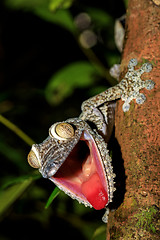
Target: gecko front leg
128 89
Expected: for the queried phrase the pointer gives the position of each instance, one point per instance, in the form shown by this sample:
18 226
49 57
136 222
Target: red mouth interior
82 174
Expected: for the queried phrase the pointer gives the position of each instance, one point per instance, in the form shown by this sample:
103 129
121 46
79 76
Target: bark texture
138 132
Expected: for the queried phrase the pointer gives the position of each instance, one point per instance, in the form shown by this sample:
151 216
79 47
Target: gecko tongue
95 193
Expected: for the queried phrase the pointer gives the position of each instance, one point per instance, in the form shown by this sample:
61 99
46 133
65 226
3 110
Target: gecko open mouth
83 174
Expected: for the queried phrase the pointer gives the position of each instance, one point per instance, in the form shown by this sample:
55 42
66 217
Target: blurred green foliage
47 73
53 195
31 4
61 17
63 83
11 193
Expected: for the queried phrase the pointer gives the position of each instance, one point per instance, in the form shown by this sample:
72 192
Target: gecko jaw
82 175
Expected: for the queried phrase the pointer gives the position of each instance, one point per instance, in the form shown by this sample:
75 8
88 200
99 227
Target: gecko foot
105 216
132 84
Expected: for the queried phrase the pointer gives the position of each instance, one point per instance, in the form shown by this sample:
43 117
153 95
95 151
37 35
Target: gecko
75 156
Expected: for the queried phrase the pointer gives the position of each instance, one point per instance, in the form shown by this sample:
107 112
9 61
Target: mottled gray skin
100 111
127 90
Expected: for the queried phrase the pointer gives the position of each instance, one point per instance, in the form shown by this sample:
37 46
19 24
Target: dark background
31 51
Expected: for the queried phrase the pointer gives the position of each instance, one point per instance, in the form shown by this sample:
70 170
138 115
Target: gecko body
75 156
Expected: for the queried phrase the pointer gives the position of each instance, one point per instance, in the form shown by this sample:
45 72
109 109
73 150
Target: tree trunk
138 131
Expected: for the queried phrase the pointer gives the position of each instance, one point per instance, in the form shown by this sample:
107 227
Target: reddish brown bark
138 132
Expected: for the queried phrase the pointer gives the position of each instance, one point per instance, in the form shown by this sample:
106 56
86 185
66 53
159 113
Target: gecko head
76 159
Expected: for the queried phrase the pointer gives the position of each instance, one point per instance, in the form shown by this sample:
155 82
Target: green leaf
62 83
61 17
26 4
29 4
100 17
53 195
46 9
11 194
54 4
98 232
125 3
12 181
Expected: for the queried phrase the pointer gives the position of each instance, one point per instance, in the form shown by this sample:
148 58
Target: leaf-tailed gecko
75 156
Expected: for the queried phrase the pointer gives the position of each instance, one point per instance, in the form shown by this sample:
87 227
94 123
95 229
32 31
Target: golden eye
62 131
33 160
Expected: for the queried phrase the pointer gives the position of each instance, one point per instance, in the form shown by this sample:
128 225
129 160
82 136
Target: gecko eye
33 160
61 131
